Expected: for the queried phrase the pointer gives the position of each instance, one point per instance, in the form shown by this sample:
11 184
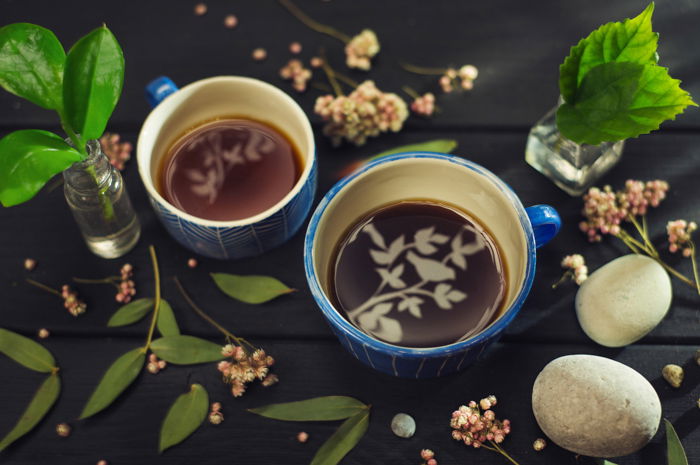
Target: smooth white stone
622 301
595 406
403 425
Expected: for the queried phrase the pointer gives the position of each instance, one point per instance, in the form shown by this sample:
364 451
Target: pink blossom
361 49
117 152
424 105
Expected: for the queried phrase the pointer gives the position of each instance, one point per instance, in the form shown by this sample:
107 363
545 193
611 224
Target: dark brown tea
229 169
418 274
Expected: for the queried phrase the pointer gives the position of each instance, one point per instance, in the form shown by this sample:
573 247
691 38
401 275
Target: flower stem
633 244
693 259
330 74
44 287
312 24
504 453
564 277
642 232
422 70
411 93
156 305
341 77
108 280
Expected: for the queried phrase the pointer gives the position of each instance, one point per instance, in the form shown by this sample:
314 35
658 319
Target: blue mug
444 178
178 110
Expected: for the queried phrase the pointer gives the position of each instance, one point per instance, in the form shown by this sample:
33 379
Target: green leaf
618 101
676 454
31 64
435 145
343 440
606 462
131 312
630 41
251 289
317 409
184 417
26 352
28 159
118 377
92 82
186 350
167 324
40 404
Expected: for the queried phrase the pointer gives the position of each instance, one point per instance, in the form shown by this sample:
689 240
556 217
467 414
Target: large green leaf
40 404
28 159
31 64
26 352
317 409
167 324
131 312
251 289
184 417
92 82
186 350
675 451
118 377
618 101
631 40
343 440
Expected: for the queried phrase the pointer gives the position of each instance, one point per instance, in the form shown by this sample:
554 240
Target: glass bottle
97 197
571 166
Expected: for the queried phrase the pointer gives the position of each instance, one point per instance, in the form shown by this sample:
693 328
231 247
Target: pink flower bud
427 454
302 436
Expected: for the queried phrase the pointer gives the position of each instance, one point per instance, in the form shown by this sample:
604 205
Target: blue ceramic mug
179 110
518 231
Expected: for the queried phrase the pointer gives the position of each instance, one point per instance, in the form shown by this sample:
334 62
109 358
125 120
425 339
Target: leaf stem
44 287
330 74
156 304
422 70
312 24
78 142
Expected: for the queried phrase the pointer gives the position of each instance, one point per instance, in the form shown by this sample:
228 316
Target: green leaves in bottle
184 417
92 82
31 64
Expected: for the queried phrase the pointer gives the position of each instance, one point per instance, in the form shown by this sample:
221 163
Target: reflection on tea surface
229 169
418 274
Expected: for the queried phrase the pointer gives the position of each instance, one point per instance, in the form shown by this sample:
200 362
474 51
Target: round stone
403 425
595 406
622 301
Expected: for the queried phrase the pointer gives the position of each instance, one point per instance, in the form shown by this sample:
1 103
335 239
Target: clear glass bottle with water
97 197
571 166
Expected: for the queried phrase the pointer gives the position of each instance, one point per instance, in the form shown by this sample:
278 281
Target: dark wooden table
517 47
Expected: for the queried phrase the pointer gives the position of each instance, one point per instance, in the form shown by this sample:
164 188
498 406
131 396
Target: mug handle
545 223
158 89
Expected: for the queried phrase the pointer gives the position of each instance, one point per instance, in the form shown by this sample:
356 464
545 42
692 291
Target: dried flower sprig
450 78
679 237
428 457
215 415
359 50
126 288
606 211
117 152
422 105
245 363
71 302
294 71
476 425
576 270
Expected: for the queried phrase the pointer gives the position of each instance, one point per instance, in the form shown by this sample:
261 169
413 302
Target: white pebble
403 425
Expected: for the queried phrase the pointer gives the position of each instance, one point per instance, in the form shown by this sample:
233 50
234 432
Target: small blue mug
444 178
179 110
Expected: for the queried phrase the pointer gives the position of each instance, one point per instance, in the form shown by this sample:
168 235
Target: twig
422 70
312 24
330 74
44 287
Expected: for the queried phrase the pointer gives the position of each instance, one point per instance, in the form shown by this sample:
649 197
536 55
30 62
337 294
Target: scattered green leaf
606 462
131 312
250 289
40 404
118 377
167 324
26 352
186 350
631 40
31 64
343 440
317 409
435 145
184 417
30 158
618 101
92 82
675 451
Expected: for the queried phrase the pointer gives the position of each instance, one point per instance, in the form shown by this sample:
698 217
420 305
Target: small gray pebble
403 425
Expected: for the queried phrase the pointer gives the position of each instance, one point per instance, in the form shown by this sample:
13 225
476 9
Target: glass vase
97 197
571 166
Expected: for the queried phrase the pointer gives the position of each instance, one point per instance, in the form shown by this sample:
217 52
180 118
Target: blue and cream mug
178 110
518 231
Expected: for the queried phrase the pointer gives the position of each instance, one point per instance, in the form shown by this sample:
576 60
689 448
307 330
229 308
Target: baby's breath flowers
576 269
259 54
155 365
295 48
245 363
29 264
43 333
215 415
192 263
428 457
359 50
450 78
126 288
63 430
302 436
71 302
200 9
539 444
117 152
294 71
476 425
679 232
230 21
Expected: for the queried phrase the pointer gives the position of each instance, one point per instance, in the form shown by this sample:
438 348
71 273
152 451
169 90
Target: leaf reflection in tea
229 169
